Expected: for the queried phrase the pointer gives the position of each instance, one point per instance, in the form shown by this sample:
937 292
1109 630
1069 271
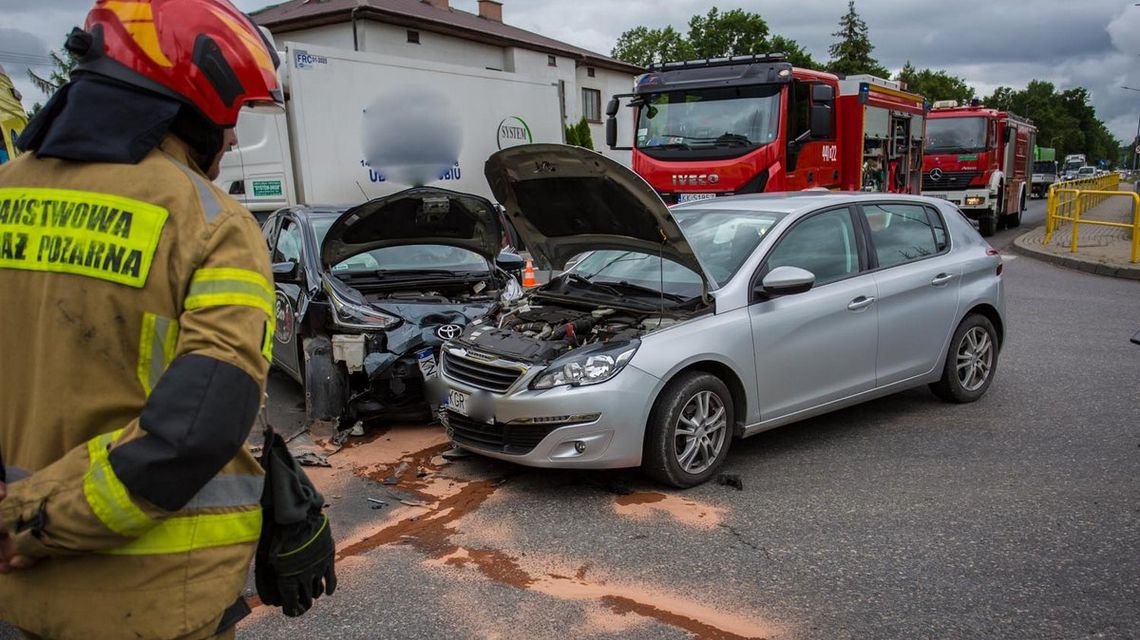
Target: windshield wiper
586 282
648 291
392 274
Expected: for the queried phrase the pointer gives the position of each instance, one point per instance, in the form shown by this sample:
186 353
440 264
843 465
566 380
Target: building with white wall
434 31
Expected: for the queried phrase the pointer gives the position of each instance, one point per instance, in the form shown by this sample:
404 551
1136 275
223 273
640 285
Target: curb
1127 271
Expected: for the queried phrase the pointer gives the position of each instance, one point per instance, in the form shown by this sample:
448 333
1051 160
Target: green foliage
62 64
31 113
585 139
851 54
643 47
572 134
713 35
1065 120
935 85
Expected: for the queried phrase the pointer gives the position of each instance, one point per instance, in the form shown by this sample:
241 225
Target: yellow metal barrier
1069 199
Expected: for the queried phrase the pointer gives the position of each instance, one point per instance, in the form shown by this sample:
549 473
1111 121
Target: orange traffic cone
528 275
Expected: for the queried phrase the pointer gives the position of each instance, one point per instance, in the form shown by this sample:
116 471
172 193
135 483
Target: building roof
301 14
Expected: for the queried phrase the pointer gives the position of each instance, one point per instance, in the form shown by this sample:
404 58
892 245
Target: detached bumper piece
514 439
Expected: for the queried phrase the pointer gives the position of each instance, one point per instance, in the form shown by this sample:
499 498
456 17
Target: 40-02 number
830 152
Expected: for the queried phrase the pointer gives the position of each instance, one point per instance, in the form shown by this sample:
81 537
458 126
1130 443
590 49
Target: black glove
296 553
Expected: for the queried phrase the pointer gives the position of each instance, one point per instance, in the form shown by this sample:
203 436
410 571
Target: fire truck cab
752 124
981 160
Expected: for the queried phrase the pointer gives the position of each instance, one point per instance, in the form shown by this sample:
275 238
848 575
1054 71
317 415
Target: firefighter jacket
135 341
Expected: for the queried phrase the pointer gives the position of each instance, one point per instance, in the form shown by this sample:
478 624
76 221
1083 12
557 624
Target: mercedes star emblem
448 331
936 174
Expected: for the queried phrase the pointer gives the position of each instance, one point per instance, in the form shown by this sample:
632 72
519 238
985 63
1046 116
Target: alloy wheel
975 358
700 432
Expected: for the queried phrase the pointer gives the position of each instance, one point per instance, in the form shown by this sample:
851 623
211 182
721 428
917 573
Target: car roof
797 201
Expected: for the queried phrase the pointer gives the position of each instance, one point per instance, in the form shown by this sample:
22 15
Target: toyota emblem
448 331
936 174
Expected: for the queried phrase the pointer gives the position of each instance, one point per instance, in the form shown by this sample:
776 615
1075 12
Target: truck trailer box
360 125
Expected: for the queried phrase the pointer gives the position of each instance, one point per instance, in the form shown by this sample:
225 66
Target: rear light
994 252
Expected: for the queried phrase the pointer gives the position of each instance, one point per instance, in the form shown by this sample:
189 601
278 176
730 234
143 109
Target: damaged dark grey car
365 296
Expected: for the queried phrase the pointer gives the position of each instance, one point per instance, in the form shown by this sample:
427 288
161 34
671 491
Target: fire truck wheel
1013 220
987 223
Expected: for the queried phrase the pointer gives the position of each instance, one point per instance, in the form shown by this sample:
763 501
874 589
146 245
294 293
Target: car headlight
589 365
351 315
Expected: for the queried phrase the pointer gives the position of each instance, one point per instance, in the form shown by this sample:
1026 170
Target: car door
818 346
917 280
288 248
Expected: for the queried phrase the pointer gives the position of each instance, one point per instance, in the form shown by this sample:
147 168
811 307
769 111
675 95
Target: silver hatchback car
678 330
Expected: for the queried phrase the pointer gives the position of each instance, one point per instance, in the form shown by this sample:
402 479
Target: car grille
517 439
478 374
950 181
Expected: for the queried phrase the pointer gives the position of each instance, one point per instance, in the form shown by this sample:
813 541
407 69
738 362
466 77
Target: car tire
974 348
1013 220
987 224
698 403
326 383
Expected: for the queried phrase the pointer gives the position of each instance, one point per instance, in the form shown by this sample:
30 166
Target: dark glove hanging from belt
296 553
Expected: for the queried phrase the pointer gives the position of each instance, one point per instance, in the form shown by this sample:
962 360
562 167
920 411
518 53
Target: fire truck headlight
975 200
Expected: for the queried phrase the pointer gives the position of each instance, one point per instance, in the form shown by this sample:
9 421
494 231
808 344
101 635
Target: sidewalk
1101 250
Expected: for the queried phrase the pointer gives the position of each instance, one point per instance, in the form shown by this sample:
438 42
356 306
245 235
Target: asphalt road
1014 517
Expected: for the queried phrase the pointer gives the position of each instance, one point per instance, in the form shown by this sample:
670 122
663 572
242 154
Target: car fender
723 339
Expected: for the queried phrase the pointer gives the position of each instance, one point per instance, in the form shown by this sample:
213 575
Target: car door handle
860 303
941 279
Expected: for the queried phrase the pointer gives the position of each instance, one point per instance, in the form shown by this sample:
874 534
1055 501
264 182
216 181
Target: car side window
823 244
901 233
288 243
267 232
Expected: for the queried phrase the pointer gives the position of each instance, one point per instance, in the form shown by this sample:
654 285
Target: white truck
360 125
1073 163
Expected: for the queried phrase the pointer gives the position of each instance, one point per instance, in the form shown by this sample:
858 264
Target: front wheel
987 223
970 362
689 430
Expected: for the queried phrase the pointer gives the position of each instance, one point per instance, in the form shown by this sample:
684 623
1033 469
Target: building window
590 72
413 36
592 105
551 61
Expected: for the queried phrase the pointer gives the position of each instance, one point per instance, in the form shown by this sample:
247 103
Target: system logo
513 132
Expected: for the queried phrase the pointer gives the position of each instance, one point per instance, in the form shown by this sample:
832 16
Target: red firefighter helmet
203 52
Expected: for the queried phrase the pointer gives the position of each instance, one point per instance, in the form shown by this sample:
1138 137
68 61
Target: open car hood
566 200
421 215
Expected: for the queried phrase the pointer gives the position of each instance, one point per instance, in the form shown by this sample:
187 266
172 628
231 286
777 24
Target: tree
1065 120
935 85
62 64
643 47
572 135
735 33
585 139
851 54
712 35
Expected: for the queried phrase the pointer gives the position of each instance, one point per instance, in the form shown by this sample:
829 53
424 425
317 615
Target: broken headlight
352 315
590 365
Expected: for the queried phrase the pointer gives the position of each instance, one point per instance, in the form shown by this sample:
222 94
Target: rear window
904 233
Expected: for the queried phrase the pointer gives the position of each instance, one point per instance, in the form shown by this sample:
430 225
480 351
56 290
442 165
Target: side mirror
786 281
510 262
821 128
611 131
822 93
286 271
612 107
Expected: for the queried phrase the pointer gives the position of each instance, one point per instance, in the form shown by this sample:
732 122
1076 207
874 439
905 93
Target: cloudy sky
1090 43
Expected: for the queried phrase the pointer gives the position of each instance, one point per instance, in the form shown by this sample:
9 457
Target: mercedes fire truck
752 124
981 160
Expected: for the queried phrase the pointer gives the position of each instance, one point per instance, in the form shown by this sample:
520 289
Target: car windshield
1086 170
418 258
709 118
955 135
724 238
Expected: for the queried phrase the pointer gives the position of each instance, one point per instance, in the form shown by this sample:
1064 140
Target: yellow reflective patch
186 533
227 286
267 341
107 496
96 235
157 341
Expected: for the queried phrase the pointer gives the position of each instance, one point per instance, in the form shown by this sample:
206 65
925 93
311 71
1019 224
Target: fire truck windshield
955 135
745 117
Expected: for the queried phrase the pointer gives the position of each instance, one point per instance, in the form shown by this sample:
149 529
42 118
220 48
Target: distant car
679 330
366 295
1086 172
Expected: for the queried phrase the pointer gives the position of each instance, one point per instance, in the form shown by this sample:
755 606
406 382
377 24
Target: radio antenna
362 191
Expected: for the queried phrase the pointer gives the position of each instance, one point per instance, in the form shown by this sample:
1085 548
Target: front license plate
693 197
425 358
457 401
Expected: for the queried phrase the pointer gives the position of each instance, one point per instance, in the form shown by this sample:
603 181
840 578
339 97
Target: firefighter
136 340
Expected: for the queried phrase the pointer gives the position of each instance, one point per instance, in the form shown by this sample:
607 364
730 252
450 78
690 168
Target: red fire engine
981 160
752 124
